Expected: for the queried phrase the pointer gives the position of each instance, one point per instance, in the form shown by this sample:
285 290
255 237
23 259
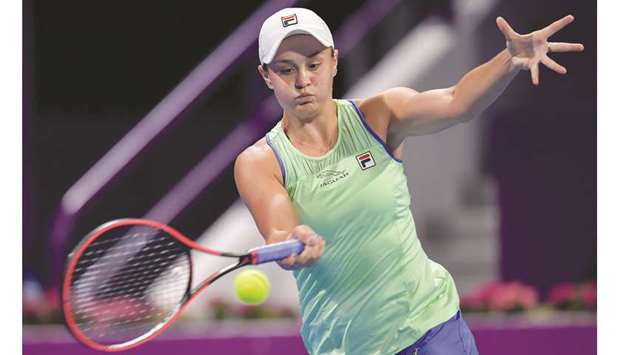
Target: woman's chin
307 108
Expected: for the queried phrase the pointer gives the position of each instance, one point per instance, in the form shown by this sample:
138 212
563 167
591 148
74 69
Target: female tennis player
330 174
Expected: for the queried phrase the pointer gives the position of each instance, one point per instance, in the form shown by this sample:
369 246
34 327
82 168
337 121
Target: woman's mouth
304 98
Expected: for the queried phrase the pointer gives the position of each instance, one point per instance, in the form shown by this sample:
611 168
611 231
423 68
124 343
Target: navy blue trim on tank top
280 162
372 132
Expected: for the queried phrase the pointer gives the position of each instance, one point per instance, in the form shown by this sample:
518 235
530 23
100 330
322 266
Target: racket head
125 283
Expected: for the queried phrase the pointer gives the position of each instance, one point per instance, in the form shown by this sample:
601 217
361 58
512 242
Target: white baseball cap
288 22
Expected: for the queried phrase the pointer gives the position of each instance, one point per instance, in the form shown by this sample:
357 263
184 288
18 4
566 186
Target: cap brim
274 49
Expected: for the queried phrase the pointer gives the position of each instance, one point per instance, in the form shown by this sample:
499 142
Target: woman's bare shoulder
259 158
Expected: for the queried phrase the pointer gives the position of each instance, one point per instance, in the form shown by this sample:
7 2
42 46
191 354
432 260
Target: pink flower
509 296
473 302
478 299
504 298
562 293
52 296
496 296
528 297
488 290
588 294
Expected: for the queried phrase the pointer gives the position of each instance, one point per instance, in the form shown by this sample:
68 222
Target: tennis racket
128 280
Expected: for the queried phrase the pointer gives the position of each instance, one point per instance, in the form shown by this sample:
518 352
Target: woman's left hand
530 49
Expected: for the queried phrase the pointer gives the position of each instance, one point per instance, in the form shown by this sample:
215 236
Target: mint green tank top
374 290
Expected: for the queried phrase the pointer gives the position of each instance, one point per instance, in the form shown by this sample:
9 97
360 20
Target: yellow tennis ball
252 286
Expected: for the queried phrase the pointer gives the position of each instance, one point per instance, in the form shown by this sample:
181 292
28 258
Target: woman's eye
314 65
286 71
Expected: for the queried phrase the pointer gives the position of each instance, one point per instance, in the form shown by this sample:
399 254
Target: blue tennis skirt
452 337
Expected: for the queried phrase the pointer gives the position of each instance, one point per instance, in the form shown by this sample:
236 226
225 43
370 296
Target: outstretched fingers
559 47
557 25
553 65
504 26
534 73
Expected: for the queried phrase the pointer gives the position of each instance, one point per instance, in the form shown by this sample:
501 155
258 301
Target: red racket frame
244 259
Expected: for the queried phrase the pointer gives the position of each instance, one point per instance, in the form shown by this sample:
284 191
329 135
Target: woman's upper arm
407 112
259 183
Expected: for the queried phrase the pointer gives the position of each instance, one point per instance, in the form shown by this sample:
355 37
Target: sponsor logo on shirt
365 160
331 176
289 20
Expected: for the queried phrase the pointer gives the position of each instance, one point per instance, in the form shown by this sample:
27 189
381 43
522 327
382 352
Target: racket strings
136 277
127 282
97 249
110 291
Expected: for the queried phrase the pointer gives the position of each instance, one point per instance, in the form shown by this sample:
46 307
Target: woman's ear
335 67
265 75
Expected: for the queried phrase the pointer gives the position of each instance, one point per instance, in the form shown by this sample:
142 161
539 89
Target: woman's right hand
314 245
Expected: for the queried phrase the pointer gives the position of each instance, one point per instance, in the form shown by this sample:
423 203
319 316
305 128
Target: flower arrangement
222 310
516 296
495 296
43 309
501 297
573 296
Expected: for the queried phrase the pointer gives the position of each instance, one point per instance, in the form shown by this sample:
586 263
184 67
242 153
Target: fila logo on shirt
365 160
289 20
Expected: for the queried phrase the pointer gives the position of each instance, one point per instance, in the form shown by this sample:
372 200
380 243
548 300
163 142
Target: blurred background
138 109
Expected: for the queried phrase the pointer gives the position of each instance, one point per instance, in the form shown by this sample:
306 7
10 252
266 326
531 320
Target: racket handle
276 251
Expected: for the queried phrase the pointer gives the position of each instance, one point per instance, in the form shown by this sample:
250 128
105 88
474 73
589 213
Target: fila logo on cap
365 160
289 20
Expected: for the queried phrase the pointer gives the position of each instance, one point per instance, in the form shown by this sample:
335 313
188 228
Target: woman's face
301 75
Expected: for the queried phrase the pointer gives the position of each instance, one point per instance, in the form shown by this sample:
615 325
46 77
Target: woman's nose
302 79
